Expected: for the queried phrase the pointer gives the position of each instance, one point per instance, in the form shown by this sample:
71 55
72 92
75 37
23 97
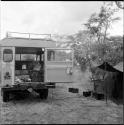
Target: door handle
69 71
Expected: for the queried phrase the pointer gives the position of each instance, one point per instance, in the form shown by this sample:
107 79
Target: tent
112 83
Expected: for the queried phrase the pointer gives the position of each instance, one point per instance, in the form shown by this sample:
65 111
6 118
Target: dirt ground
62 107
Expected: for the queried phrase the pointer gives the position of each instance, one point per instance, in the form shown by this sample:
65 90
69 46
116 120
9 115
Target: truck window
7 55
17 57
26 57
59 55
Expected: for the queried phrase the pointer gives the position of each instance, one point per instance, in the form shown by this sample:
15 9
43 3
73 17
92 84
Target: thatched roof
107 67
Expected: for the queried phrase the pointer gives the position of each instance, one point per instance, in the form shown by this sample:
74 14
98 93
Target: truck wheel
43 93
5 96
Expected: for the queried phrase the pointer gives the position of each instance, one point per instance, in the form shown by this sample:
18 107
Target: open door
58 65
8 64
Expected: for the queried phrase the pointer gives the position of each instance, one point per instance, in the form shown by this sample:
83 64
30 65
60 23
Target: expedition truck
32 64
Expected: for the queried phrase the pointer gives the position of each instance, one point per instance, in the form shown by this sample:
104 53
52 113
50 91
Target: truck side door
58 65
8 65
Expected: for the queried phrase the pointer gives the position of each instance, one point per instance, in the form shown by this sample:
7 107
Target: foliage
81 45
113 50
120 4
86 49
115 55
98 25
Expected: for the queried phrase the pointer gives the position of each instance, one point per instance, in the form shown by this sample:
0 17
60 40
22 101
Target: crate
73 90
98 96
87 93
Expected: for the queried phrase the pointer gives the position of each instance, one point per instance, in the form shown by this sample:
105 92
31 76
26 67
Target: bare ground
62 107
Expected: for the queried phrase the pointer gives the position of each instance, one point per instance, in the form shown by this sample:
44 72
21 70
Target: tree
120 4
115 54
113 50
81 45
98 25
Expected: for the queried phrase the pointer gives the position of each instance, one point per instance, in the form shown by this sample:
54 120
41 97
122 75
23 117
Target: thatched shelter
109 80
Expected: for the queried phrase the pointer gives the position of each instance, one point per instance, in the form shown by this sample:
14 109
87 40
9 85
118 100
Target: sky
54 17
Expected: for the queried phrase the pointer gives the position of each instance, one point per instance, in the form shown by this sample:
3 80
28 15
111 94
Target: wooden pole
106 85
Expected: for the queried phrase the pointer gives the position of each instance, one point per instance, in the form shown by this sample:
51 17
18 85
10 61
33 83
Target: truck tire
43 93
5 96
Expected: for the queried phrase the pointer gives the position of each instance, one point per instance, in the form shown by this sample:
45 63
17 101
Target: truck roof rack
27 35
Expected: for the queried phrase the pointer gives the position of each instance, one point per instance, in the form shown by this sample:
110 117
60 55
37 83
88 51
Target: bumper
27 85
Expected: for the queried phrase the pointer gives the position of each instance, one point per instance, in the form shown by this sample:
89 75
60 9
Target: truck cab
33 64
